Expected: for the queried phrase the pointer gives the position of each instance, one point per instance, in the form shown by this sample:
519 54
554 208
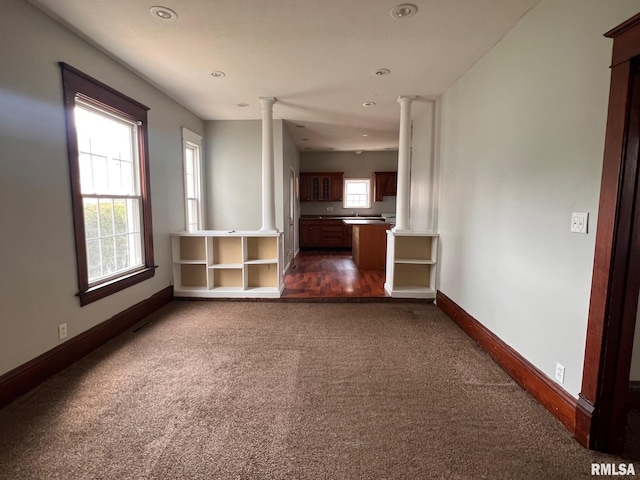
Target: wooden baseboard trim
555 399
22 379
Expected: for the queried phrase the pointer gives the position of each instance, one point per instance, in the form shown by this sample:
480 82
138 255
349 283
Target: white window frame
345 201
107 195
193 141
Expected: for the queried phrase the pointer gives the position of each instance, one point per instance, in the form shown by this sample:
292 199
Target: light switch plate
579 222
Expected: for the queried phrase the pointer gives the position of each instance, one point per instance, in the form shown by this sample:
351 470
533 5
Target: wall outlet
579 222
329 209
560 373
62 331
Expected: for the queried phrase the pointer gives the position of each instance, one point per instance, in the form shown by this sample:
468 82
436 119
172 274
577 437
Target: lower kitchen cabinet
324 233
309 233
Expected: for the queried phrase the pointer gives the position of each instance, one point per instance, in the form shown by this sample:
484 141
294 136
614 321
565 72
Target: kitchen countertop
364 221
343 217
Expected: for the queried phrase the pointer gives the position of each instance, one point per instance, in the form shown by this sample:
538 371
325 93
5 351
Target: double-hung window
194 206
357 193
108 163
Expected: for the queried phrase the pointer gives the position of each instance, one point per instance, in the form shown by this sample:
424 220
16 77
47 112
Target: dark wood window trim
79 85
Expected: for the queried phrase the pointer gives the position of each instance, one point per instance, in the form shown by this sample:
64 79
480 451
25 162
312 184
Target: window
109 169
193 204
357 193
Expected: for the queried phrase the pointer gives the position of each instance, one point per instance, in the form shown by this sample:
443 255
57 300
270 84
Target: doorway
601 415
291 233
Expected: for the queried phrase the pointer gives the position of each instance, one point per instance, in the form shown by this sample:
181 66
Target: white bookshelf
212 263
411 264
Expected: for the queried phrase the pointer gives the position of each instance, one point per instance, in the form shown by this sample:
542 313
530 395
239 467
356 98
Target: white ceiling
315 56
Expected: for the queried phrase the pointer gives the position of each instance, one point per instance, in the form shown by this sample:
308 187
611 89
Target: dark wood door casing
601 412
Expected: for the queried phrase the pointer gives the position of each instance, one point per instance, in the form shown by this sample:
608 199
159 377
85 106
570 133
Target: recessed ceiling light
404 10
305 139
300 126
307 148
243 105
163 13
365 134
381 72
369 104
218 74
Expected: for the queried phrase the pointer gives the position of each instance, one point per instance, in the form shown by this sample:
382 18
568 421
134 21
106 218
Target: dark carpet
269 390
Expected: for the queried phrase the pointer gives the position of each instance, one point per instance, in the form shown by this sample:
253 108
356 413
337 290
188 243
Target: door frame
602 403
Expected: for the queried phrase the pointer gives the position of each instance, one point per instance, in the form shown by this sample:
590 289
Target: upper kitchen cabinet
385 185
321 186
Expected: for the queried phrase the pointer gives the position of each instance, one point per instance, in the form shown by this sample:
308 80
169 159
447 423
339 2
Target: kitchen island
369 247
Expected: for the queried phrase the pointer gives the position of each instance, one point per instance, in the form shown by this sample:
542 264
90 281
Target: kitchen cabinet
385 185
369 245
321 186
309 233
324 233
331 233
347 236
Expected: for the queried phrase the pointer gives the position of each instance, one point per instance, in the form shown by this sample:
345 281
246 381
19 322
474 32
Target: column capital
406 99
267 100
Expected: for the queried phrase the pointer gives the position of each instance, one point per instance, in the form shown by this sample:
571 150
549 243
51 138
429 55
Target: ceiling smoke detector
163 13
404 10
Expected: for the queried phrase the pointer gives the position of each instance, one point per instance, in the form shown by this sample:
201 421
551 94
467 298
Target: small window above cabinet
385 185
321 186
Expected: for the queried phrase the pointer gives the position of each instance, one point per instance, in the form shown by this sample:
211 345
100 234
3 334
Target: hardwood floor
331 274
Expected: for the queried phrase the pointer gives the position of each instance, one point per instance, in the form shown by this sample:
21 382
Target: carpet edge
29 375
550 395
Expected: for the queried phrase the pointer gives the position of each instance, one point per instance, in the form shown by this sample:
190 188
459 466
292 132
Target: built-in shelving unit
411 264
213 263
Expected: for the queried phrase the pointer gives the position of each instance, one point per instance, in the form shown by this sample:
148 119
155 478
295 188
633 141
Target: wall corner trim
24 378
549 394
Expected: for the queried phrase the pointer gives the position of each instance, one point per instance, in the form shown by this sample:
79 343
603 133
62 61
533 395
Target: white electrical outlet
579 222
329 209
62 331
559 373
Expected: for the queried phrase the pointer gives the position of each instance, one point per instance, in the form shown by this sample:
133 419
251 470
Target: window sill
109 288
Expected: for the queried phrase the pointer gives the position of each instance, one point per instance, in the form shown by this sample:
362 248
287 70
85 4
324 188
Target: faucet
354 213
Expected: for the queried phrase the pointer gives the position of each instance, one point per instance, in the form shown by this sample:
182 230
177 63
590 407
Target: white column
268 178
404 165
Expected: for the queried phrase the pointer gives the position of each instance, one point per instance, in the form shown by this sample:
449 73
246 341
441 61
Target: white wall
422 215
353 166
38 280
290 161
522 145
234 174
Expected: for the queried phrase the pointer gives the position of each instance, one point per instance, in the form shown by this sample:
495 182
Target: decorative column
268 178
404 165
